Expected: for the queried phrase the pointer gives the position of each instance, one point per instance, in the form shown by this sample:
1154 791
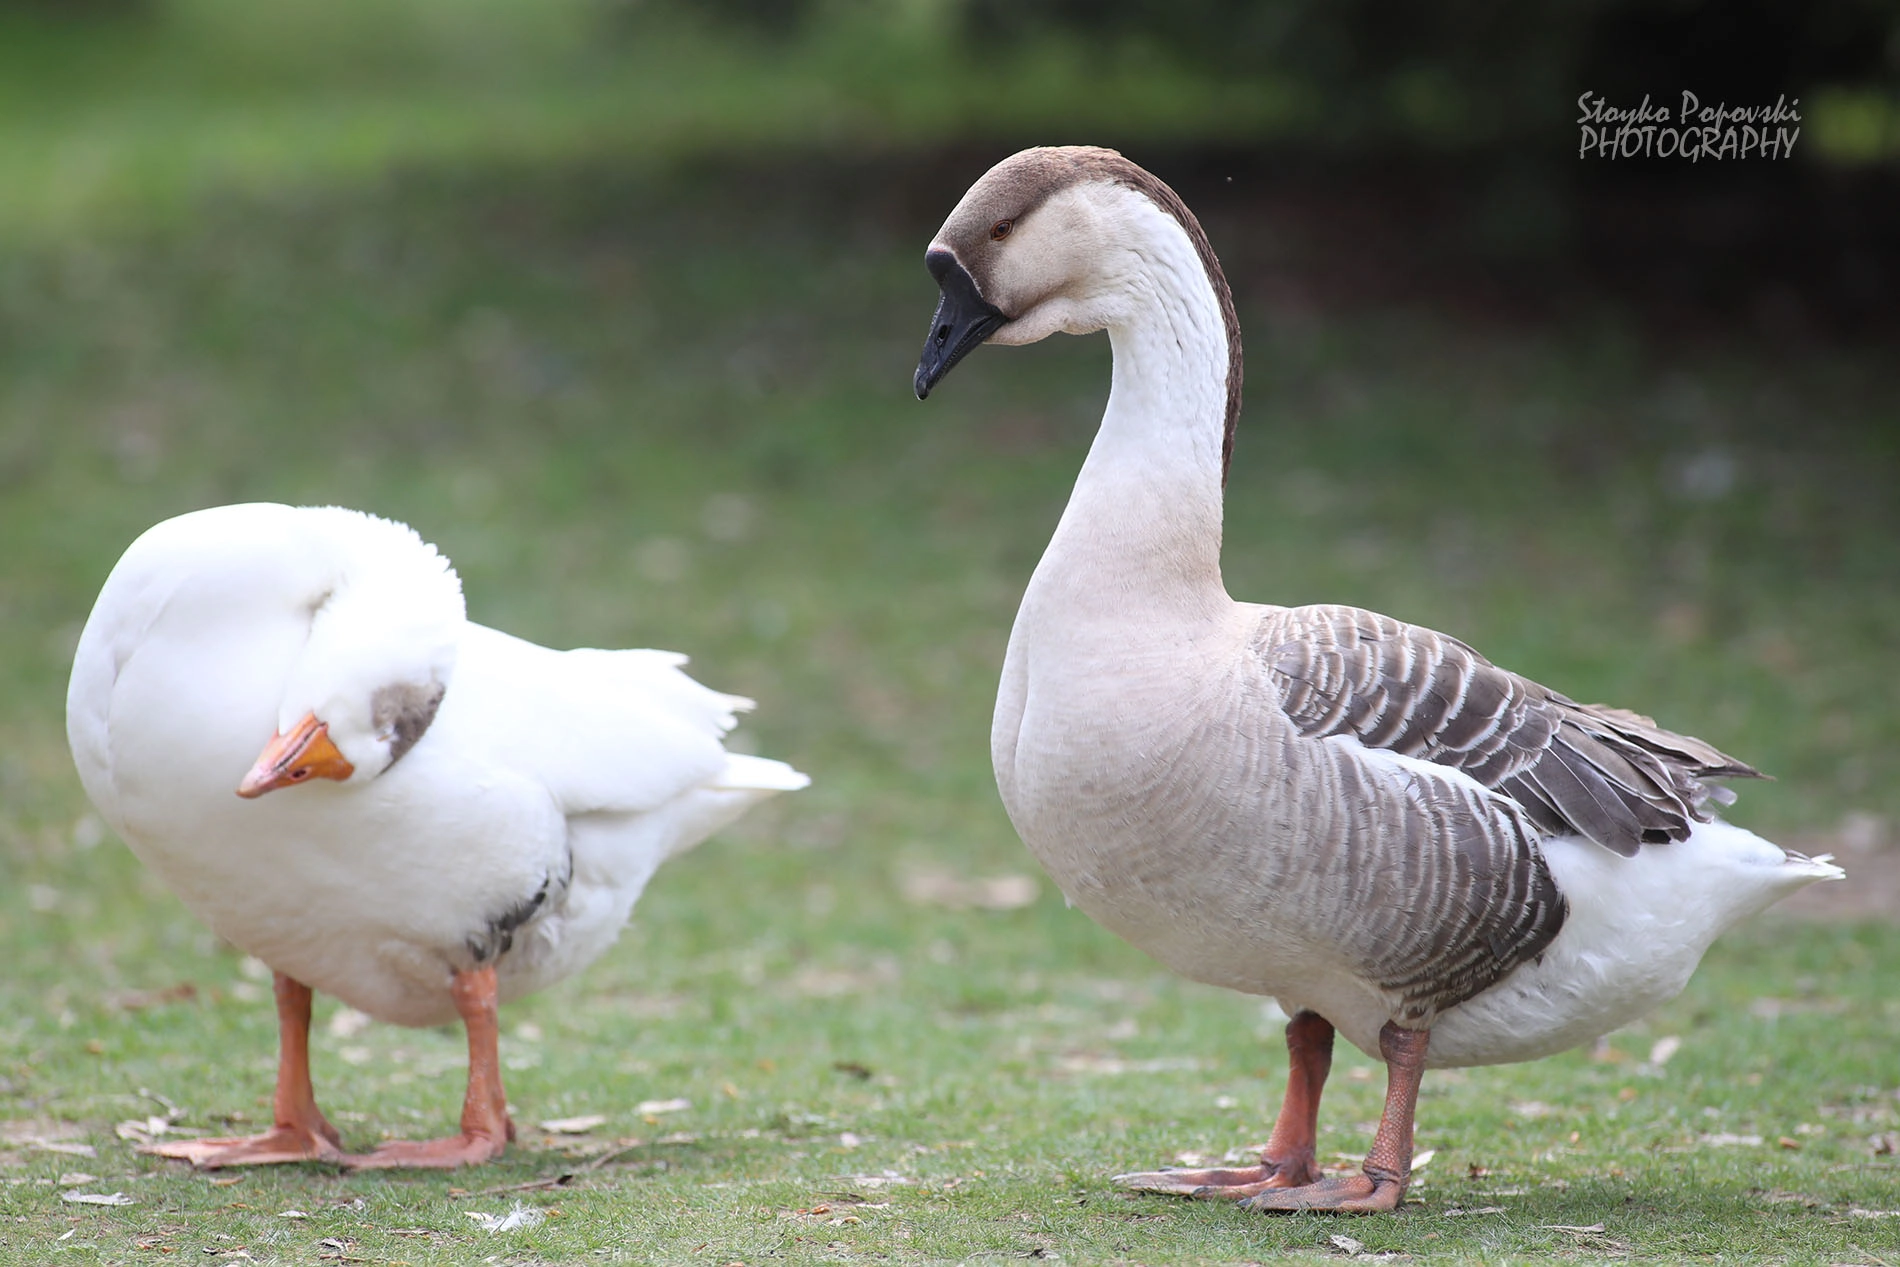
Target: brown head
1034 248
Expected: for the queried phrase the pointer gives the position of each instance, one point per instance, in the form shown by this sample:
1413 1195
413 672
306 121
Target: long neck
1147 504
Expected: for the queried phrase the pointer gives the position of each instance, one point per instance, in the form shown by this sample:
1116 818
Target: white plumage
504 804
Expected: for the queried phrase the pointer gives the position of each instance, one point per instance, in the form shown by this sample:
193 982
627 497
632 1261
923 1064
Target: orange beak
302 754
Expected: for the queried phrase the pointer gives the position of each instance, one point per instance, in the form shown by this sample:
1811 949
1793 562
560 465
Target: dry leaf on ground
522 1216
932 887
675 1105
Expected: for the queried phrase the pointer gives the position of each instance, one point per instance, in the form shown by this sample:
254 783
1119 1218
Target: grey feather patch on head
1024 181
403 711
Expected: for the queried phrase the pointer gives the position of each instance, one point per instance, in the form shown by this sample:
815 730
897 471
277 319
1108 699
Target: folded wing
1576 769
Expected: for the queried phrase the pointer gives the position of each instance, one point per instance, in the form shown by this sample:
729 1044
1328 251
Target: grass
640 404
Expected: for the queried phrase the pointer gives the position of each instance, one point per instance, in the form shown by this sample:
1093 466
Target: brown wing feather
1586 769
1464 902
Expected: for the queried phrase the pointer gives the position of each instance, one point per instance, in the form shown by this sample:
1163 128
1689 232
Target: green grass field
644 398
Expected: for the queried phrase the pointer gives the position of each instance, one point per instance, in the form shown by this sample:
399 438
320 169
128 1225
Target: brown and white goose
1368 821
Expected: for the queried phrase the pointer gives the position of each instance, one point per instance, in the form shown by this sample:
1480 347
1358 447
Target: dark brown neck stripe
1113 166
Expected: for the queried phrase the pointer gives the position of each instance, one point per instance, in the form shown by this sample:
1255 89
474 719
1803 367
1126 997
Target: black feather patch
499 937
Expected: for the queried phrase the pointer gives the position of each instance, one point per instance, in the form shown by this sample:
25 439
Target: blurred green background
617 301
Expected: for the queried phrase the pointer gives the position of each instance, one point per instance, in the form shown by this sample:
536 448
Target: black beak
963 320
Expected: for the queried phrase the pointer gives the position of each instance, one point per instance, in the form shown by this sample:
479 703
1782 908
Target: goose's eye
1000 230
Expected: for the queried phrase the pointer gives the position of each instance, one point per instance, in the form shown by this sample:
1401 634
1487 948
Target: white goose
456 817
1444 861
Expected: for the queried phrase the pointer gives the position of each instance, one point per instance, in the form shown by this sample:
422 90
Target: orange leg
1381 1182
300 1132
1288 1160
486 1129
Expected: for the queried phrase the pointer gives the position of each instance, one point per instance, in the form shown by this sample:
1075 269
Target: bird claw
1292 1171
279 1146
1346 1194
466 1149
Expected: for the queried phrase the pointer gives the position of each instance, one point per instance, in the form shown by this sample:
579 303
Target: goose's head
385 619
1054 239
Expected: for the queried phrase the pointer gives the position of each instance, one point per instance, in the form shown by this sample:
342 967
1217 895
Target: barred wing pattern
1444 885
1475 897
1576 769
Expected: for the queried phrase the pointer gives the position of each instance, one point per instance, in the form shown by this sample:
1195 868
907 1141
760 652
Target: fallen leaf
1482 1209
1424 1159
932 887
143 1130
1788 1142
663 1106
1348 1246
292 1214
1722 1139
347 1022
1663 1049
139 1000
574 1125
96 1198
76 1178
1571 1227
63 1147
495 1224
